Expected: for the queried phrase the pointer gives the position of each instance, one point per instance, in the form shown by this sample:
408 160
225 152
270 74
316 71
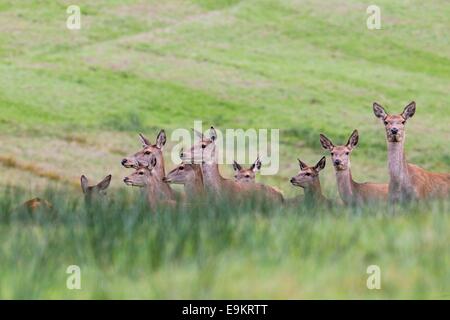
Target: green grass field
72 103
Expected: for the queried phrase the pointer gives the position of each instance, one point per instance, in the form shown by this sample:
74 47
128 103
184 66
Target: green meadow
73 101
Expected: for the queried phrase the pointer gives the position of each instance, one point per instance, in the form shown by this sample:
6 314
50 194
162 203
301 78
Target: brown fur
352 192
37 203
408 181
158 191
189 175
308 179
205 152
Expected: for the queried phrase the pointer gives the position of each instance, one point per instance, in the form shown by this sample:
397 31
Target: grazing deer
408 181
205 153
37 204
99 189
143 157
189 175
146 176
246 175
350 191
308 179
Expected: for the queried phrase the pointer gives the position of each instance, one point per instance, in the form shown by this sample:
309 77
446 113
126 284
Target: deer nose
337 162
125 179
124 161
394 130
292 180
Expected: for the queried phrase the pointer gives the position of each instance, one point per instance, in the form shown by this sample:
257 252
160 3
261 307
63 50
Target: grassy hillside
72 102
300 66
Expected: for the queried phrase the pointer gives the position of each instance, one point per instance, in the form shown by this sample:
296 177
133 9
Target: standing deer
308 179
146 176
91 192
243 175
205 153
350 191
407 181
189 175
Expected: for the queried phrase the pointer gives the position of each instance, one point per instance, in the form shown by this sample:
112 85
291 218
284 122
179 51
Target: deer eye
181 168
386 123
147 152
247 176
307 174
332 154
203 146
403 122
347 153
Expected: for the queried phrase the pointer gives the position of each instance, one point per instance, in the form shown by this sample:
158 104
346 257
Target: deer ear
236 166
212 134
161 139
409 111
84 183
256 166
145 142
326 143
198 134
302 165
353 140
105 183
321 164
379 111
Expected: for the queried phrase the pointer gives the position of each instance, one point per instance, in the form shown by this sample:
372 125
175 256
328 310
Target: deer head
307 175
340 155
395 124
202 152
246 175
183 174
142 157
142 176
93 191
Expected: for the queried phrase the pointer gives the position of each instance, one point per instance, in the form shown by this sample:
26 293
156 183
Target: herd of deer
200 175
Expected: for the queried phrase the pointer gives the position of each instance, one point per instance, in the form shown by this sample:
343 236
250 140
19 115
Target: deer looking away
350 191
407 181
308 179
243 175
205 153
146 176
99 189
189 175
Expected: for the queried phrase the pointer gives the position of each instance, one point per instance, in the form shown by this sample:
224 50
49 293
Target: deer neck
159 168
158 190
211 177
346 185
194 186
313 192
211 174
398 167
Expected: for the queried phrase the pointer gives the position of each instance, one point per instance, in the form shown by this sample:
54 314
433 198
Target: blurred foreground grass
222 251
